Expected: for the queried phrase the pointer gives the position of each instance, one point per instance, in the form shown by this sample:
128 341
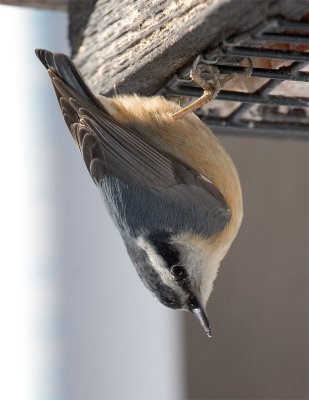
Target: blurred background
76 321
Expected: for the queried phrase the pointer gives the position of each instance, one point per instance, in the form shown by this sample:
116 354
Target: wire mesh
275 102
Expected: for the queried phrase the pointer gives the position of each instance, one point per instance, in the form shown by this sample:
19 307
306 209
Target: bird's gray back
139 211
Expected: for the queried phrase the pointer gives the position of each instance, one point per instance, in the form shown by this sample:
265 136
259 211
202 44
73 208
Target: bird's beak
200 312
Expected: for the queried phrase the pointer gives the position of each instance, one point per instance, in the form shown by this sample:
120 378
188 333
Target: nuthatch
168 184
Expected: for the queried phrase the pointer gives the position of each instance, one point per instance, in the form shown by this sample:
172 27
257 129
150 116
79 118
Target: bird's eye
178 271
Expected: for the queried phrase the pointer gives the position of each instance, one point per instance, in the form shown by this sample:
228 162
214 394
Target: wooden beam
79 12
47 4
139 45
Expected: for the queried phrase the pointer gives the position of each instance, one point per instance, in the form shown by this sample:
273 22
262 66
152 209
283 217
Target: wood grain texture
79 11
139 44
47 4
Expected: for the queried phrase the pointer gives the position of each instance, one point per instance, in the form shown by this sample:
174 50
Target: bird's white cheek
209 272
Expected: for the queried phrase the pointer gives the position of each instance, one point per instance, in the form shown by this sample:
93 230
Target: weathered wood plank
139 44
47 4
79 11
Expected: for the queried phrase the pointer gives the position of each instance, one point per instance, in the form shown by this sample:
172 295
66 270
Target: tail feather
67 71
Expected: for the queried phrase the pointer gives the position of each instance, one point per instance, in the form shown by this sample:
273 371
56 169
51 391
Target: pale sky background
29 347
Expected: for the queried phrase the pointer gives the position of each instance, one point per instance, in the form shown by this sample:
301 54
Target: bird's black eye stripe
170 254
179 272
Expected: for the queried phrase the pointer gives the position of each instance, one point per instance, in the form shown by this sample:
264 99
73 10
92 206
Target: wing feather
108 148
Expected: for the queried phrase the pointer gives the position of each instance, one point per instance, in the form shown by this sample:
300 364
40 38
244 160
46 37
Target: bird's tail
61 65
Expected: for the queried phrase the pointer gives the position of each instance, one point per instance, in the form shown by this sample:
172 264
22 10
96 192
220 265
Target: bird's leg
211 89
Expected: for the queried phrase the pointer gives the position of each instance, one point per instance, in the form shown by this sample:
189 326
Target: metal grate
259 113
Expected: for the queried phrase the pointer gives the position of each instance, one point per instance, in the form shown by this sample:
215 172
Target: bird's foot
211 89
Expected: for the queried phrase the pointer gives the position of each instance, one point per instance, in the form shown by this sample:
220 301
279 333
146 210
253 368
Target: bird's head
179 270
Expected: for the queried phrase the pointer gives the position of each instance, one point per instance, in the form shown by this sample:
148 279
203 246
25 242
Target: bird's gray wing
109 148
